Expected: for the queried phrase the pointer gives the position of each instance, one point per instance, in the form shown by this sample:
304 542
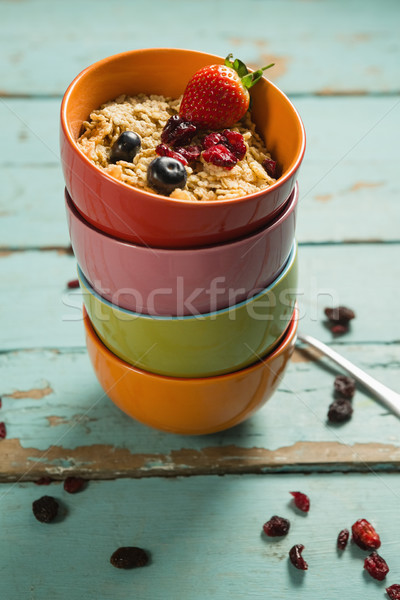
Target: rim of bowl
289 334
288 267
254 236
64 124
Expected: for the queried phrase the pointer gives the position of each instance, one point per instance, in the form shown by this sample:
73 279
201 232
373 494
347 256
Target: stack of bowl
190 311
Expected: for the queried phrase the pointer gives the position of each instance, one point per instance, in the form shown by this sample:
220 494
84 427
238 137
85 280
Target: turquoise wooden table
197 504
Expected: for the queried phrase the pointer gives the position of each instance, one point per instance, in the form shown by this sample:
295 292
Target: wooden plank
348 182
353 53
32 212
38 312
60 422
193 526
31 127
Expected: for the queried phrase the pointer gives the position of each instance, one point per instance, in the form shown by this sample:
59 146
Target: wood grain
318 47
339 63
204 535
60 422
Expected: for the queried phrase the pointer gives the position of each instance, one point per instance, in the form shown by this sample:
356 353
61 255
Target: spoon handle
387 396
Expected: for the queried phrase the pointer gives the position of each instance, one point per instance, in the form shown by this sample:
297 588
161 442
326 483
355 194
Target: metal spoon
387 396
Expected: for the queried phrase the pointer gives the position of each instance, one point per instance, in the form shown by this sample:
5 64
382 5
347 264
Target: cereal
147 116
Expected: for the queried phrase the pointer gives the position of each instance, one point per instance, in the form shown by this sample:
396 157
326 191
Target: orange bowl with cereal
133 98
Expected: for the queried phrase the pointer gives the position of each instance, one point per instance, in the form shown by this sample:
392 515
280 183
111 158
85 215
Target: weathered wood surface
319 47
204 535
60 422
38 312
349 185
340 64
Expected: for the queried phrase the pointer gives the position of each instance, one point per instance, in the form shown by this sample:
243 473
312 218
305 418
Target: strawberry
217 96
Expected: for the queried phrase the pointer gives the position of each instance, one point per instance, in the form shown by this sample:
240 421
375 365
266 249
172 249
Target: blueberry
126 147
165 174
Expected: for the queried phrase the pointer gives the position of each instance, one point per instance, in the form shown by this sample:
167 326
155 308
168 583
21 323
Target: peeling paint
361 185
102 461
363 241
355 38
306 354
236 41
324 197
261 43
301 356
328 91
280 67
67 250
34 394
54 421
78 419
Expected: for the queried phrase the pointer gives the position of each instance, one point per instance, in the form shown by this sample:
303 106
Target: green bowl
197 345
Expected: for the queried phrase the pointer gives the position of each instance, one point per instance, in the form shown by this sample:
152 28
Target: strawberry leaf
237 65
240 68
252 78
228 61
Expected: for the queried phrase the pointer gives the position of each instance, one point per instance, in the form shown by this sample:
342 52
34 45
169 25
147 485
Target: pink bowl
150 219
182 281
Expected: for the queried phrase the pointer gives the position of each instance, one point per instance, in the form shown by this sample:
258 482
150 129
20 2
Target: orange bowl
145 218
190 406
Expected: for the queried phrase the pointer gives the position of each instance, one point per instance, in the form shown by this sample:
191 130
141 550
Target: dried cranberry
235 143
178 132
296 558
212 139
191 153
276 526
376 566
340 314
74 283
340 410
72 485
271 167
393 591
232 140
339 329
129 557
45 509
164 150
220 156
345 386
302 502
3 431
43 481
365 536
342 539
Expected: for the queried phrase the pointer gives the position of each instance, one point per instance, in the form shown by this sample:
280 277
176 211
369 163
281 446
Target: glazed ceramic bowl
150 219
190 406
181 281
198 345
